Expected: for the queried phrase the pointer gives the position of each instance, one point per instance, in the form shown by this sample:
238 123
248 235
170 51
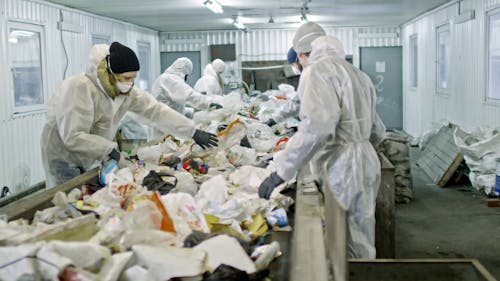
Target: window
26 66
413 61
144 50
443 59
493 55
100 39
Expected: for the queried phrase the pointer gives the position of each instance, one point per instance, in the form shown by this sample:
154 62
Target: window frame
147 44
487 98
19 111
413 62
439 90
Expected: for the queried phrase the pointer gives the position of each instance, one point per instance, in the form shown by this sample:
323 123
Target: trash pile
396 146
171 210
481 150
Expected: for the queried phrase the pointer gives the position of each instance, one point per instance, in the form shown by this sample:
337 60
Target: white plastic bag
223 249
164 263
481 148
261 137
248 178
185 214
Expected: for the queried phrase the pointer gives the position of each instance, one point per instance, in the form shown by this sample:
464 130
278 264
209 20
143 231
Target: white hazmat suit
82 120
337 128
211 81
171 88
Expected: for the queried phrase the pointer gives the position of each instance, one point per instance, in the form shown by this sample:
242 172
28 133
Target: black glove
270 122
215 105
269 184
245 143
115 154
205 139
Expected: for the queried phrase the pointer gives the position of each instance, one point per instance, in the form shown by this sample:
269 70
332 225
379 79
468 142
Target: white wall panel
271 44
20 135
465 105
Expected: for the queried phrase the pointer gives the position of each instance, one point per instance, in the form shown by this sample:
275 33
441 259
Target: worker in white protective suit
84 112
289 109
211 82
338 128
171 88
292 107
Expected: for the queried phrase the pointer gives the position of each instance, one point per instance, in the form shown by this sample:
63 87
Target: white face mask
124 87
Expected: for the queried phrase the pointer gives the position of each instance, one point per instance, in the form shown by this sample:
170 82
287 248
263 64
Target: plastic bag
223 249
480 148
164 263
261 137
212 193
239 156
186 214
248 178
153 153
232 135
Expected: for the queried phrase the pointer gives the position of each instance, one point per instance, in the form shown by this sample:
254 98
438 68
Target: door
167 58
384 66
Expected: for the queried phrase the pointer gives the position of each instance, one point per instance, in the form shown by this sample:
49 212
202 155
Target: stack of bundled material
396 146
481 149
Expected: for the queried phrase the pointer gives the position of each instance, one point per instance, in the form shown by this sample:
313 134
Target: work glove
115 154
270 122
109 166
205 139
269 184
215 106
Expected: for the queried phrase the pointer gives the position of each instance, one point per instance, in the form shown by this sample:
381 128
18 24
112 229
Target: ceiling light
214 6
239 25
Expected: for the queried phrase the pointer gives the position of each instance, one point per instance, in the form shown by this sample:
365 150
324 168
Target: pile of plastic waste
171 210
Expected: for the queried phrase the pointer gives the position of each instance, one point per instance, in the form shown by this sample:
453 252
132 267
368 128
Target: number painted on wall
379 84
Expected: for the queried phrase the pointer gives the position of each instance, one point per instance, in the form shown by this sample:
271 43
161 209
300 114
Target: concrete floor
447 223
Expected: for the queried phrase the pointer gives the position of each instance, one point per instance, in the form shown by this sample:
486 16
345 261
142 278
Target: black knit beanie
122 59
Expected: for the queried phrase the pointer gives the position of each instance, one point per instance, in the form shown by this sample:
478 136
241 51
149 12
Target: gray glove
115 154
269 184
270 122
205 139
215 105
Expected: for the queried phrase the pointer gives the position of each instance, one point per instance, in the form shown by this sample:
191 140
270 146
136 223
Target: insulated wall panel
273 44
465 104
65 54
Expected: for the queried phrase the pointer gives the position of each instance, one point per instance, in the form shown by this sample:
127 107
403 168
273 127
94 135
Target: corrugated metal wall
20 135
272 44
465 105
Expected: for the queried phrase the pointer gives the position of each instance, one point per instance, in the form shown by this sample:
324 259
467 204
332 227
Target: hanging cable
63 45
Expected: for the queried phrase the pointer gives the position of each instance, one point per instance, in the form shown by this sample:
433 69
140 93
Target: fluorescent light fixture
239 25
214 6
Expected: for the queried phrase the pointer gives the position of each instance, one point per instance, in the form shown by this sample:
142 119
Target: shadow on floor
451 222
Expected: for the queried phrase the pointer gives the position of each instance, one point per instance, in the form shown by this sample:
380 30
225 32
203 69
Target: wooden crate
441 157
